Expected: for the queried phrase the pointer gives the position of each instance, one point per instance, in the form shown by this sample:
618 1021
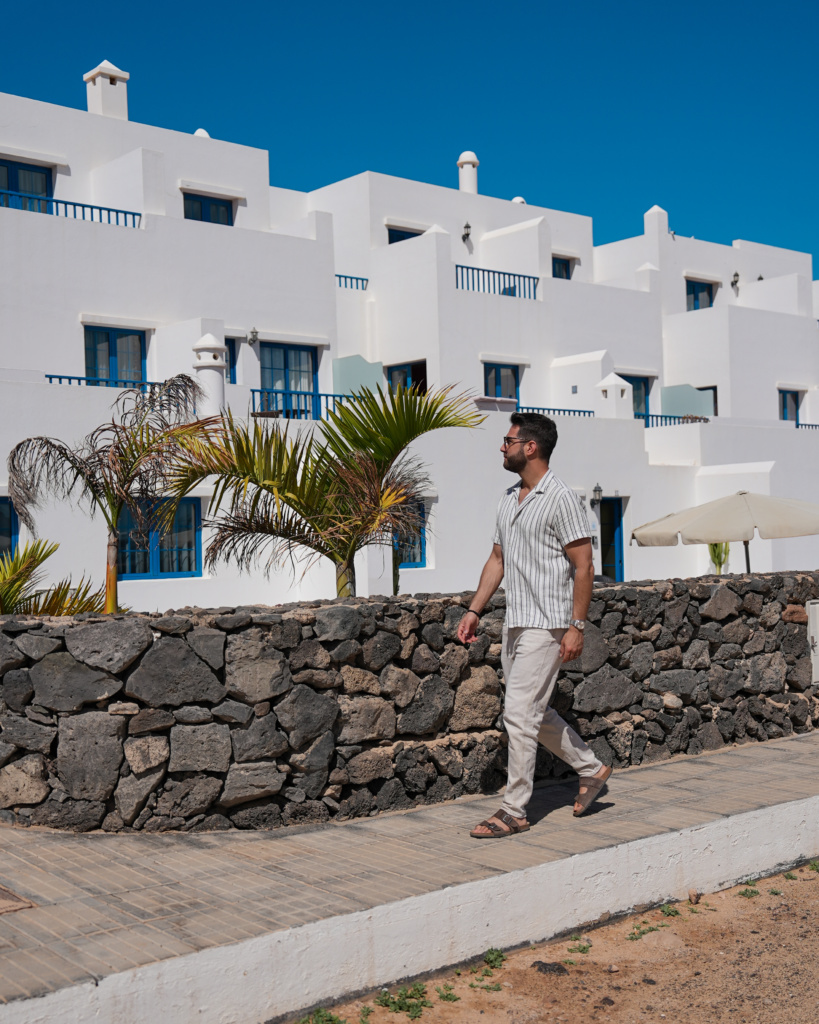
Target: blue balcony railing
66 208
555 412
100 382
807 426
294 405
495 282
658 420
348 281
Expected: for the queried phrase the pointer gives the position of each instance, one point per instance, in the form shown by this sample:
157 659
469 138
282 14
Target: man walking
543 549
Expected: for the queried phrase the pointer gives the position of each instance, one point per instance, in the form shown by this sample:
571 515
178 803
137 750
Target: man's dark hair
537 428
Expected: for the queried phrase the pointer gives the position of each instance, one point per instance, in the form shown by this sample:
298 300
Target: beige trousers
531 659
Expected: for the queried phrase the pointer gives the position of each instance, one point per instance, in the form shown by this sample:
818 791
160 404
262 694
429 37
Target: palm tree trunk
345 579
111 602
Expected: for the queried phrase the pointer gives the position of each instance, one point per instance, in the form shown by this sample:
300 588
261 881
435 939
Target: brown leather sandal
495 830
594 787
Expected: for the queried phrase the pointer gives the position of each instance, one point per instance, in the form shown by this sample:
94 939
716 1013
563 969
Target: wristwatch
579 624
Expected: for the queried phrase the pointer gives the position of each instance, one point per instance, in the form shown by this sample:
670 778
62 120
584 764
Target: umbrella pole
747 557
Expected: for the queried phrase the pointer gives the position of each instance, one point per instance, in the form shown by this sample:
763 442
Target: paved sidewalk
109 903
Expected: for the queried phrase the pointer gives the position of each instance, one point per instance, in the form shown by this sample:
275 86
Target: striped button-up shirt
538 575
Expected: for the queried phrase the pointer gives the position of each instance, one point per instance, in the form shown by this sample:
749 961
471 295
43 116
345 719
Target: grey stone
365 718
110 646
682 681
259 740
28 735
398 684
448 760
230 623
727 652
767 673
640 661
145 752
255 669
392 797
172 625
89 753
10 655
311 767
309 654
36 714
234 712
189 797
454 662
672 701
709 736
23 781
723 604
338 622
133 790
150 720
213 823
433 635
305 714
358 804
258 816
170 675
480 769
61 683
477 700
311 812
619 740
247 782
71 815
283 635
17 688
295 793
345 652
379 650
606 690
674 612
800 676
425 660
697 655
7 751
736 632
209 645
359 680
668 658
123 707
403 624
655 752
200 748
192 714
370 765
319 679
595 650
429 709
36 647
723 684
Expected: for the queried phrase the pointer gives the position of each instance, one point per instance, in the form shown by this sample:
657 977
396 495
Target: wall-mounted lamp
254 336
467 231
597 496
735 281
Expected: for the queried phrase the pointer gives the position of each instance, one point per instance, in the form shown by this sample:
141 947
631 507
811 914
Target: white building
157 251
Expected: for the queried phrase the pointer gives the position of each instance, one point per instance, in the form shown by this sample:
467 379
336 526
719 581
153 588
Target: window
699 295
561 267
215 211
411 552
611 538
33 181
713 390
153 556
401 235
500 381
115 356
789 406
289 383
230 343
640 387
9 528
408 375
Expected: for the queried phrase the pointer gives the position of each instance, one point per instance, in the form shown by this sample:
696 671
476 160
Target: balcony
100 382
495 282
65 208
294 405
652 420
356 283
556 412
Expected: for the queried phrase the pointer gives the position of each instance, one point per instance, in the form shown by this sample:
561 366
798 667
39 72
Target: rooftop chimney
107 91
468 172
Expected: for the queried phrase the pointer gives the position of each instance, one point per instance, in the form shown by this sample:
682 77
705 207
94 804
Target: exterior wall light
597 496
735 281
254 336
467 231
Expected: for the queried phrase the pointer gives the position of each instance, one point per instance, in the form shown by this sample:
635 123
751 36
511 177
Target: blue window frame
408 375
789 406
640 388
699 295
289 380
611 538
151 556
117 356
34 181
9 527
561 267
411 552
231 360
400 235
501 381
214 211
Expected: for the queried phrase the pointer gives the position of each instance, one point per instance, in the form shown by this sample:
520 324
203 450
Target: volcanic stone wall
257 717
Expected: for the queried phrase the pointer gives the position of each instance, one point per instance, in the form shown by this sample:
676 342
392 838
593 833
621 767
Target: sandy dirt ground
745 959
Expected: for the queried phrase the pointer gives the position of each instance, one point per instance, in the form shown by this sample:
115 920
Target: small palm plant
20 579
124 463
719 555
330 493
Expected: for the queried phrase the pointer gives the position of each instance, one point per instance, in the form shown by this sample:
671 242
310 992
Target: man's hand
466 628
571 646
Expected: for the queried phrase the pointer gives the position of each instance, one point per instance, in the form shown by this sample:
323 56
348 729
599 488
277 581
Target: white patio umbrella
734 517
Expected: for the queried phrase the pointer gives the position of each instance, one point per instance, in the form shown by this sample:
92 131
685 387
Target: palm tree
326 493
20 579
121 464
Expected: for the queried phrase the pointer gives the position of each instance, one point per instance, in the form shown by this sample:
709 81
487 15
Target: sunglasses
514 440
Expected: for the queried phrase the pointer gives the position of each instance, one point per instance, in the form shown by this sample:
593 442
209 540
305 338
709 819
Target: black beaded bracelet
472 610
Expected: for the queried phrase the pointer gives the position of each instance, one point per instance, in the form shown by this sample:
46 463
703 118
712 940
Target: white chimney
468 172
107 91
210 367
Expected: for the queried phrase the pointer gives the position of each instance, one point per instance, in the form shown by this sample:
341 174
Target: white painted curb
252 981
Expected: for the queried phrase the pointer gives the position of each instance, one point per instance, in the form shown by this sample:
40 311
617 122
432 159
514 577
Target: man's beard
514 461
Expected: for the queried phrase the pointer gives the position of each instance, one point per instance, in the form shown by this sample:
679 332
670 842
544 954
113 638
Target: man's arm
579 553
490 581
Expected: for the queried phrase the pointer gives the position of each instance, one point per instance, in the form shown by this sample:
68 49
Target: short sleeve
570 522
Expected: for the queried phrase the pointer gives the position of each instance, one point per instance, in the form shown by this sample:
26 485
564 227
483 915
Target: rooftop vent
468 172
107 91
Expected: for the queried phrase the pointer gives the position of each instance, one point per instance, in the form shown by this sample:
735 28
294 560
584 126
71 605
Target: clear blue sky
598 108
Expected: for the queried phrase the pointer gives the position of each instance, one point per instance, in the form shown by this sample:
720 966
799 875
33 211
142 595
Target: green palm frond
21 575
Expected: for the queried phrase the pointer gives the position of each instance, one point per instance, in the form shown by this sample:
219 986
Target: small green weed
571 963
446 994
580 947
494 958
321 1016
457 972
748 893
365 1014
775 892
750 882
406 1000
814 865
668 911
790 876
638 931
